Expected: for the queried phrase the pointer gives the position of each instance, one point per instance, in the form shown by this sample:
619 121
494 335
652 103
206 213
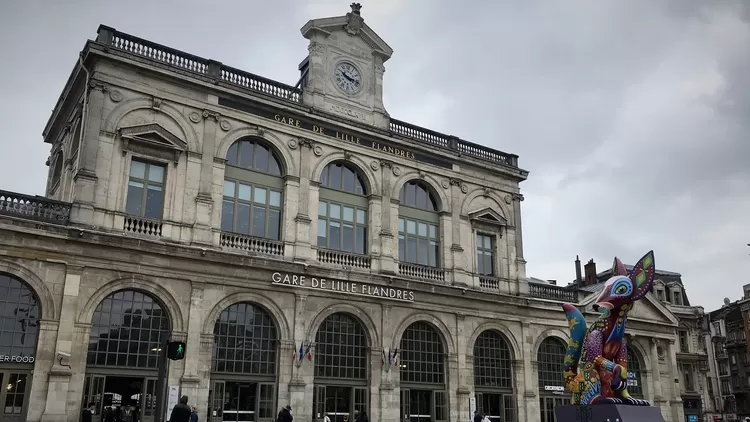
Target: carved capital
97 85
517 197
386 163
211 115
316 47
156 102
455 182
304 142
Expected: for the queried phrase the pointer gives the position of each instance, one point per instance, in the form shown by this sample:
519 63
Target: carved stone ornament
347 155
208 114
464 188
316 47
261 131
374 165
318 150
445 184
422 175
115 96
396 170
292 144
354 20
508 199
195 117
156 102
225 125
386 163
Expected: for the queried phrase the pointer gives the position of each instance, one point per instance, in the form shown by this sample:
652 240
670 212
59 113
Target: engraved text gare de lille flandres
339 286
345 137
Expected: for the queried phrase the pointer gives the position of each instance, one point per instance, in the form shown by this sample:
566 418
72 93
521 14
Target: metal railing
220 73
34 208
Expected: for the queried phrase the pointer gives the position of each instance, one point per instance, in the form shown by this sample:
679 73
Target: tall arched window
422 372
253 187
635 382
550 364
57 168
493 377
341 367
418 225
342 209
19 332
127 331
244 364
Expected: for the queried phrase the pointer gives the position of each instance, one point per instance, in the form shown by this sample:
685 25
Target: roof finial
354 20
356 8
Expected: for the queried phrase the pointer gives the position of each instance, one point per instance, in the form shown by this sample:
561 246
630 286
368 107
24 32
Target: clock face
348 78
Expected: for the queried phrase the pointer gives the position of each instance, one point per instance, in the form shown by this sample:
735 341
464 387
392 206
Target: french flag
382 356
308 352
393 358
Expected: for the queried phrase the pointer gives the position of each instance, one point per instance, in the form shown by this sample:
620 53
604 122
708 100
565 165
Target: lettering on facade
554 389
339 286
336 133
346 137
17 359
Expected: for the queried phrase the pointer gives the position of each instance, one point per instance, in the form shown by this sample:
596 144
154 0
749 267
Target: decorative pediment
152 139
648 308
354 25
488 216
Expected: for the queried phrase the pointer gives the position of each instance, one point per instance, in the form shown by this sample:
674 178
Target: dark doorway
121 399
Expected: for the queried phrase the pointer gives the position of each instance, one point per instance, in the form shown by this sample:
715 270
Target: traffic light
176 350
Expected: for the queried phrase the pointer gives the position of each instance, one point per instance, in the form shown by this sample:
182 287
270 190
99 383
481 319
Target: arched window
341 348
341 367
244 364
342 209
244 341
127 331
76 139
635 382
550 364
422 372
493 376
418 226
253 187
19 319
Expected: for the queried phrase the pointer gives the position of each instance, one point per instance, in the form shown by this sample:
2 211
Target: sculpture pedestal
608 413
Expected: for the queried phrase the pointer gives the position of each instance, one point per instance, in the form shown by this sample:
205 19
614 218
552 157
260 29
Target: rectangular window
251 210
717 328
485 255
677 297
660 295
684 342
145 190
418 242
342 227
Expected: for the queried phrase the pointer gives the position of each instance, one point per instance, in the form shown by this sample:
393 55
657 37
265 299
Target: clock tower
343 73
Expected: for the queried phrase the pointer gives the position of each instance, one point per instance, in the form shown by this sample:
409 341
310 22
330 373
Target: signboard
17 359
346 287
692 418
173 399
554 389
328 130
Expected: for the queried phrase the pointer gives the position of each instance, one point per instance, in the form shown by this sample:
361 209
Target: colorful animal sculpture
596 363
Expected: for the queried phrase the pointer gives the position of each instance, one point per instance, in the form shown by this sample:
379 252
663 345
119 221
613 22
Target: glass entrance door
233 401
14 395
128 399
547 407
340 403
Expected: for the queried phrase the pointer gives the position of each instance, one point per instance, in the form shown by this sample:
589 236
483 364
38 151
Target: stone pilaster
195 380
85 178
518 231
306 195
388 246
465 378
60 374
675 402
286 369
377 370
204 200
526 382
655 378
452 384
81 334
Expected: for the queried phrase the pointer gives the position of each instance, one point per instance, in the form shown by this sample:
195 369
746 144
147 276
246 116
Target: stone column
389 391
377 371
302 376
60 374
657 392
465 378
526 385
286 369
81 333
461 276
204 200
388 246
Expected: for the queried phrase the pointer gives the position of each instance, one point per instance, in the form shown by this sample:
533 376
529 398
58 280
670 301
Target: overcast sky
633 117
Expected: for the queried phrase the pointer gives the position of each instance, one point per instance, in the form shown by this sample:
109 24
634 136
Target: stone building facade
309 249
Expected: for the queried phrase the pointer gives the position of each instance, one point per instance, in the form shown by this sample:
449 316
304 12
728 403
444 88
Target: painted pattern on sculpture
596 363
